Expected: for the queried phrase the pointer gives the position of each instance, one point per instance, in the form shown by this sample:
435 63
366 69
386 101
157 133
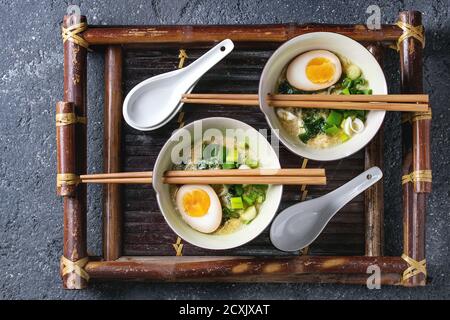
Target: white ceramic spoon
299 225
155 101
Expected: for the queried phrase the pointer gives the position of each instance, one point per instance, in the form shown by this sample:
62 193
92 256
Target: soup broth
322 128
239 204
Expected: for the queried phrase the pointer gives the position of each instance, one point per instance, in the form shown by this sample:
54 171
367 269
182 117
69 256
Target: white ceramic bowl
268 159
341 45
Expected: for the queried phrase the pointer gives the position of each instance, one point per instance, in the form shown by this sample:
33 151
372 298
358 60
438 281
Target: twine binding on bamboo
183 56
415 267
77 267
303 187
72 34
64 119
67 179
178 246
416 116
417 32
417 176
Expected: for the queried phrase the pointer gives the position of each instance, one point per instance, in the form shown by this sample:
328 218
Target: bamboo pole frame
237 269
373 197
249 269
238 33
416 151
112 218
75 73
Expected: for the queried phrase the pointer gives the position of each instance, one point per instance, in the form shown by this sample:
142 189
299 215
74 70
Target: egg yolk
196 203
320 70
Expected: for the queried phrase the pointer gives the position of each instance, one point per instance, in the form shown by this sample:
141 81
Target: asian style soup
322 72
219 209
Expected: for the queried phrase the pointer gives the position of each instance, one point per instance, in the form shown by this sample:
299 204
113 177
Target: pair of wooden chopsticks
239 176
390 102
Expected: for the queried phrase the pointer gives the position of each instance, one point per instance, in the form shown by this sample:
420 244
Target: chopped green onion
261 199
353 72
249 214
252 163
347 83
359 82
224 154
334 118
332 130
344 137
232 156
236 203
248 200
345 91
228 166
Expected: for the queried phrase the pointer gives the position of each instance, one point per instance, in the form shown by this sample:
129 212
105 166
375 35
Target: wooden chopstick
285 180
233 102
395 98
246 173
397 102
228 96
209 173
117 175
404 107
242 176
119 180
413 98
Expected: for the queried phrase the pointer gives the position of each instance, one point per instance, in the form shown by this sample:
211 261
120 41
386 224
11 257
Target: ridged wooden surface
145 231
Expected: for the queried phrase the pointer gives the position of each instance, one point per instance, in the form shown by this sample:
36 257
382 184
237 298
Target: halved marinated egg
200 207
314 70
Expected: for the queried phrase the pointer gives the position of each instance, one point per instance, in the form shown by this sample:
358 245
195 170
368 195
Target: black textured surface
31 82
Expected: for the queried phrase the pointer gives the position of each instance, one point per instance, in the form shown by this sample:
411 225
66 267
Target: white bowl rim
236 243
297 151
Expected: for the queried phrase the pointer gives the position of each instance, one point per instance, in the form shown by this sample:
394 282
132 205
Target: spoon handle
200 66
342 195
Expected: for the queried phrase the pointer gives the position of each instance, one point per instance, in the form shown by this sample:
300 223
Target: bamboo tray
137 244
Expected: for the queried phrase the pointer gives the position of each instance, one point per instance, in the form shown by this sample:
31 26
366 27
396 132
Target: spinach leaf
286 88
228 214
313 126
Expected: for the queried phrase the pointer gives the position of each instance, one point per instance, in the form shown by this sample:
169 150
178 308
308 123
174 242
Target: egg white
296 71
207 223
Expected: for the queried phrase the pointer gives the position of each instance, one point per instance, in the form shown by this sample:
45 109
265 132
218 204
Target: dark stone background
31 80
